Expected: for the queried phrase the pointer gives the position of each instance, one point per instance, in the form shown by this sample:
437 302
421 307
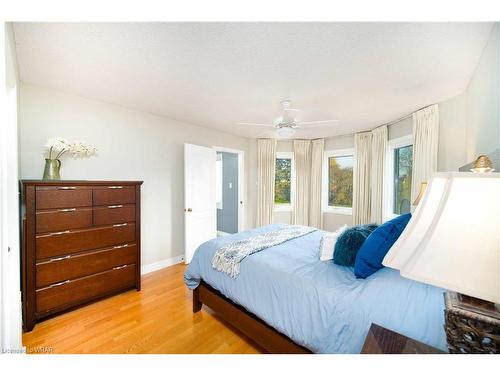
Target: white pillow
327 244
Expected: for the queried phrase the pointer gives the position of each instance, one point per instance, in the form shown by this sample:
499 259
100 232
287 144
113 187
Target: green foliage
403 162
282 181
339 183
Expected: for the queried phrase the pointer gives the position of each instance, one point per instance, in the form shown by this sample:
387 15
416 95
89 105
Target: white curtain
266 165
361 207
379 146
425 146
302 160
315 214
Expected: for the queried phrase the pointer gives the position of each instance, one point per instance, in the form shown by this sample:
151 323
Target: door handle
188 210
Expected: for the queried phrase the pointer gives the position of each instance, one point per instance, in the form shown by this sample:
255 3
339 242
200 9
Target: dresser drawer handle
61 258
66 188
115 187
67 209
53 234
116 206
120 225
56 233
120 246
120 267
58 284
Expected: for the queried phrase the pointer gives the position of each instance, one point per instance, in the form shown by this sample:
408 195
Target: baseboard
147 268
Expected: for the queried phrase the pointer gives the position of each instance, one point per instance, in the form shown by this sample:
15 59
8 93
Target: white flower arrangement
60 146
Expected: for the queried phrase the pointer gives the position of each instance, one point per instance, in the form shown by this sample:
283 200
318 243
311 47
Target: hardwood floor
158 319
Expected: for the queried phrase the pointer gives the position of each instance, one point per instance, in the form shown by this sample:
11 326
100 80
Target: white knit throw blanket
227 259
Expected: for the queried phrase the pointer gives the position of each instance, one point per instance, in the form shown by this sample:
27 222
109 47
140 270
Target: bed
306 305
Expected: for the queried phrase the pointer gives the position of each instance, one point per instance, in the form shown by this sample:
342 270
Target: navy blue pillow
371 254
349 242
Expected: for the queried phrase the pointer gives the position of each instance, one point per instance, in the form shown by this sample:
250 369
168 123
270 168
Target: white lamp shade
453 239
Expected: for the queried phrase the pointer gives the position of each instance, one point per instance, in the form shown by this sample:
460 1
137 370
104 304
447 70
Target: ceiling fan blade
311 124
254 124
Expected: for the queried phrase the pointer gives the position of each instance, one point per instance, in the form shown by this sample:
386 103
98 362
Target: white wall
483 101
132 145
452 153
10 294
470 122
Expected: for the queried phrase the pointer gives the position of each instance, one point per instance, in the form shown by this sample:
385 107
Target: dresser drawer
71 241
73 292
116 194
83 264
63 196
114 214
63 218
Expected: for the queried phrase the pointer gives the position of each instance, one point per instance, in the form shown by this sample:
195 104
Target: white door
200 220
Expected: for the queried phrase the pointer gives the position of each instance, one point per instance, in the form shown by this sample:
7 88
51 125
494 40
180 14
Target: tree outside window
340 173
403 162
282 181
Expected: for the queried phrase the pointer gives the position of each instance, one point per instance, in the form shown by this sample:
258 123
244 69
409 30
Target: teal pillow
349 242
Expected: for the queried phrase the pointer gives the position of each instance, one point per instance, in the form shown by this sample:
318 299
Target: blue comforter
320 305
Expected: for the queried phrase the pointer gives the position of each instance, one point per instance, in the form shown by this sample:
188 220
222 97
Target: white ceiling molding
221 74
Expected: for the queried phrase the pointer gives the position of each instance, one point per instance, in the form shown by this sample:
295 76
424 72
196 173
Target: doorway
229 188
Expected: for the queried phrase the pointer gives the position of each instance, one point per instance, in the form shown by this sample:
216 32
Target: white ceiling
219 74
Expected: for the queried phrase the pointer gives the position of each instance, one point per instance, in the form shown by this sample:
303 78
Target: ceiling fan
287 124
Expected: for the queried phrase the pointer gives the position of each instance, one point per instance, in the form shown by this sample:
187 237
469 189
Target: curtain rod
396 121
404 117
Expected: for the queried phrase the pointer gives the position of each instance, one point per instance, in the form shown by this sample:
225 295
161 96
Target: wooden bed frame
255 328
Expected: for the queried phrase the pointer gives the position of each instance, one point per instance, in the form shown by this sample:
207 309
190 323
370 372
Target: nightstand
381 340
472 325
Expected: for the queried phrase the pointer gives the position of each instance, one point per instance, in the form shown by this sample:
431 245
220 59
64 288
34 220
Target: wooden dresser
81 242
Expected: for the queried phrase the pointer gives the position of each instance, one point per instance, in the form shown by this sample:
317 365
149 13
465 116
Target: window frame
388 193
286 207
219 158
326 208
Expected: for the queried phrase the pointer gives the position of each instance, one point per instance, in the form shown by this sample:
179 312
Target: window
403 159
283 181
218 179
337 181
397 191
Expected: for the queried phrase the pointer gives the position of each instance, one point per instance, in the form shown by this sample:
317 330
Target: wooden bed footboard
244 321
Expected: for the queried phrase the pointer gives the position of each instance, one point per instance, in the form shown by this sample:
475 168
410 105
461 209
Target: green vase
52 168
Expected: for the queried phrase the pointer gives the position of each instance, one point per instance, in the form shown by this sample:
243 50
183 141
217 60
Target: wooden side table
381 340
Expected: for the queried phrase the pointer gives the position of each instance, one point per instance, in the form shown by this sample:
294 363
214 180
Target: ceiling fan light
285 132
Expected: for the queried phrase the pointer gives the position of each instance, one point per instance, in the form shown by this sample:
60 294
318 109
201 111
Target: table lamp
423 188
453 242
